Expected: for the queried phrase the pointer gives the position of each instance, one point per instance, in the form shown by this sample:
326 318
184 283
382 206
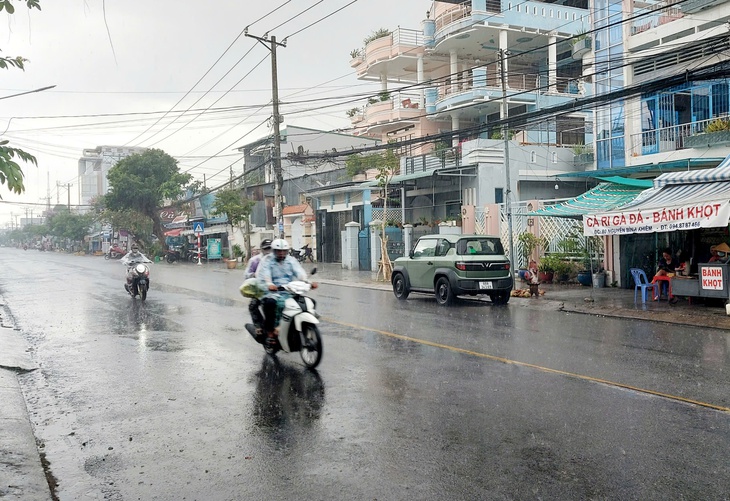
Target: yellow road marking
532 366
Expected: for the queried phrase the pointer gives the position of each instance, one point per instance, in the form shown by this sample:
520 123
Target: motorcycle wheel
312 349
143 292
106 256
170 258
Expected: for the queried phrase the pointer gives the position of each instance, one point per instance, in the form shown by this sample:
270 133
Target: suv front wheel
400 288
444 294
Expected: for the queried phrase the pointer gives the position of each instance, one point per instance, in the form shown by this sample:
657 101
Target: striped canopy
603 198
681 194
719 173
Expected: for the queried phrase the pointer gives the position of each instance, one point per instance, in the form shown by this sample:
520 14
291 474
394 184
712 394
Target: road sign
198 227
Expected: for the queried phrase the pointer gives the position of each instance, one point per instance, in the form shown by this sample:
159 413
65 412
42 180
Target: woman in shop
668 266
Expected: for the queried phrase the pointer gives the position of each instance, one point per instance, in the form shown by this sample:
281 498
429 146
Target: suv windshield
479 246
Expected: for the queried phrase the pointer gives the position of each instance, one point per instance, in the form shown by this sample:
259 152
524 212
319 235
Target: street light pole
271 44
505 134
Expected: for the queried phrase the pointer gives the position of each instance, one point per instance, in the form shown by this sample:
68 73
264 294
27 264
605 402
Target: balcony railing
657 15
666 138
518 81
448 157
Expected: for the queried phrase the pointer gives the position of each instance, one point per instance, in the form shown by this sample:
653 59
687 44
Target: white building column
454 70
383 82
455 128
422 95
552 62
503 45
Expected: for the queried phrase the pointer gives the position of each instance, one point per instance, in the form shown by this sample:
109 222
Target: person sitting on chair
667 267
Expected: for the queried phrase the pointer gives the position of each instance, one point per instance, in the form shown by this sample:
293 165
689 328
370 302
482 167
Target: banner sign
711 278
214 248
683 217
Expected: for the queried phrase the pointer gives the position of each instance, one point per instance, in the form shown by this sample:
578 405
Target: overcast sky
149 54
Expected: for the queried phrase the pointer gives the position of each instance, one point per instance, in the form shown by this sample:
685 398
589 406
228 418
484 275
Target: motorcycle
303 254
115 252
173 254
138 276
298 328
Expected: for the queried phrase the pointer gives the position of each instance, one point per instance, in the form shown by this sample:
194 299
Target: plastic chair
642 282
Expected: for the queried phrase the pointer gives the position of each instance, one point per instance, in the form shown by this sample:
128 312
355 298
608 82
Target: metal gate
330 226
363 249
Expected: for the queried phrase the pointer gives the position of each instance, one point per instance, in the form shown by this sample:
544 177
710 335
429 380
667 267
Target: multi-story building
94 166
678 51
303 170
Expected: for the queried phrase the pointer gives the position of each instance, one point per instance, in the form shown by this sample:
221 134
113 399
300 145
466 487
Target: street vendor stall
711 280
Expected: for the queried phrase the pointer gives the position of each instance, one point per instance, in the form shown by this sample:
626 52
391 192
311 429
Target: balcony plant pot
231 264
584 278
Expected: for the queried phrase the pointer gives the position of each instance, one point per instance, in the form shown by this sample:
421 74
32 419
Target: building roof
295 209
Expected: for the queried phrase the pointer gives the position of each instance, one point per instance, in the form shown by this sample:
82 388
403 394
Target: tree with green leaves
234 204
11 174
142 183
387 165
65 224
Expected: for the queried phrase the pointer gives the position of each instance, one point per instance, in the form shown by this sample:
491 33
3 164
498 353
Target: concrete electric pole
505 134
271 44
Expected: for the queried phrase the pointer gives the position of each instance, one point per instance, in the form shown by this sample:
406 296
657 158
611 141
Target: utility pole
505 134
68 192
278 176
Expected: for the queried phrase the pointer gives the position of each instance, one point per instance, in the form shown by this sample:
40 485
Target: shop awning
719 173
670 208
602 198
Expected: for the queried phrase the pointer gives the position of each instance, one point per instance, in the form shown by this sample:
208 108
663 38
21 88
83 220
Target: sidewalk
606 301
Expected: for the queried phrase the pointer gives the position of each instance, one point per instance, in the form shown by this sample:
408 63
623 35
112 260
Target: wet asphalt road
169 399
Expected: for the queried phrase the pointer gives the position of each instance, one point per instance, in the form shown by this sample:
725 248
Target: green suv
454 265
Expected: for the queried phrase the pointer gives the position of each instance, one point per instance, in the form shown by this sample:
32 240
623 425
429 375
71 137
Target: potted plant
238 252
529 242
546 269
717 132
563 268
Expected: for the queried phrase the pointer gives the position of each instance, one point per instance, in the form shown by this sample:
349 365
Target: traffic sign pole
199 249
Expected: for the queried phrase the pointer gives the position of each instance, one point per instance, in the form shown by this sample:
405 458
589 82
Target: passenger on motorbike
278 269
134 256
253 264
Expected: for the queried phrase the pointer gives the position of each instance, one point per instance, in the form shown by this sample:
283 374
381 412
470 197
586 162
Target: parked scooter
303 254
173 254
115 252
298 328
138 276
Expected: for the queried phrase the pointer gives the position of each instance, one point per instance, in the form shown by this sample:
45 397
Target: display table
711 281
686 286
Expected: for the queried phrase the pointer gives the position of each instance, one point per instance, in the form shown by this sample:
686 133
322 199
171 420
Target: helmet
266 244
135 247
280 244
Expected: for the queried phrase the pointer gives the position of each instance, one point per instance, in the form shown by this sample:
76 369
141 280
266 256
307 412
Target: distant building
94 166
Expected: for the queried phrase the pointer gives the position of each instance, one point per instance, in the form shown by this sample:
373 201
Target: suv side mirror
410 254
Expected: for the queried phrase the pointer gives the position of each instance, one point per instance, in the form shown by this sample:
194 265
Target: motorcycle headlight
140 269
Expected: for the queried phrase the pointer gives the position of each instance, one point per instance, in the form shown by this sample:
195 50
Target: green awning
602 198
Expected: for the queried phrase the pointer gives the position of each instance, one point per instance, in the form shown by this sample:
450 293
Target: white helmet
279 244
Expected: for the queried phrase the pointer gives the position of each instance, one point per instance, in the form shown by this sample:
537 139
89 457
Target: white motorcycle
298 328
139 272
